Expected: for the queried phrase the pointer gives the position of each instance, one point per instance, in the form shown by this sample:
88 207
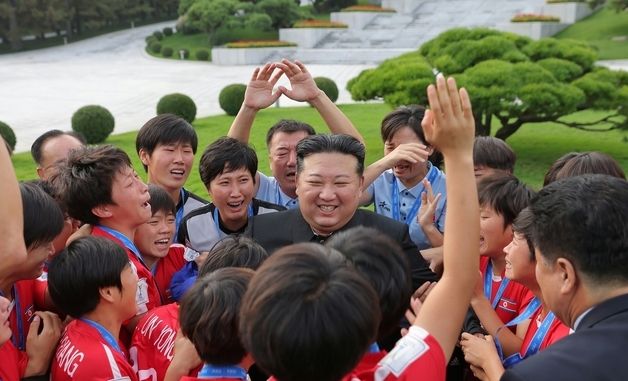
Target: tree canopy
510 78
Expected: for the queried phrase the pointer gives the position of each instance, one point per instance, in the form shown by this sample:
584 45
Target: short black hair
288 126
491 152
308 316
165 129
225 155
43 138
408 116
43 218
331 143
591 162
506 195
77 274
384 265
160 200
234 251
524 225
584 219
210 313
86 179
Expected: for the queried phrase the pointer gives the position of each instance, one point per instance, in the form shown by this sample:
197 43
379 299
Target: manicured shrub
94 122
9 136
158 35
178 104
259 21
328 86
167 51
167 31
202 55
231 98
150 39
283 13
155 47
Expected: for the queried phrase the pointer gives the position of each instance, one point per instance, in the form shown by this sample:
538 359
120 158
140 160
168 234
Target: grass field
537 145
599 30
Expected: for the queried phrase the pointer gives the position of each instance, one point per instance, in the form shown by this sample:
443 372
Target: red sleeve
167 266
12 362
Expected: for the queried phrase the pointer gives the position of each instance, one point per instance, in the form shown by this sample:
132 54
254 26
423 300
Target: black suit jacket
276 230
597 351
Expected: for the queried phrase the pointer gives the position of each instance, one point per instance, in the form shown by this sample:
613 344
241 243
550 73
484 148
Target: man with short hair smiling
329 183
51 148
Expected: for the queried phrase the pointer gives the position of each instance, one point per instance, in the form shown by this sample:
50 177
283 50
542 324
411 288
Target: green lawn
177 41
599 29
537 145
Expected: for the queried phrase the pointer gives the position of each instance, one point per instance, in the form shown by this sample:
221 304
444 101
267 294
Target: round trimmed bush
158 35
94 122
328 86
178 104
9 136
231 98
202 55
155 47
167 31
167 51
150 39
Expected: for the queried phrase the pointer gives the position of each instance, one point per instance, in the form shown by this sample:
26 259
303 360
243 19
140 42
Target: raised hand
425 217
304 88
411 152
259 92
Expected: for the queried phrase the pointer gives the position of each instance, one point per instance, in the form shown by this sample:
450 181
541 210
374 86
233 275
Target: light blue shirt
380 192
270 191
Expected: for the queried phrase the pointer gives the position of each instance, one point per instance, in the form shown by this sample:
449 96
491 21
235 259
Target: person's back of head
308 316
590 163
79 273
43 218
165 129
234 251
552 171
86 180
491 156
384 265
327 143
506 195
210 313
288 126
584 220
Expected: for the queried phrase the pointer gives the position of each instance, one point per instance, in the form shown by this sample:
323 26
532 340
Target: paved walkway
40 90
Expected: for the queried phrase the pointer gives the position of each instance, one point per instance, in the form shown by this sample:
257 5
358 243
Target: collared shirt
381 193
270 191
187 203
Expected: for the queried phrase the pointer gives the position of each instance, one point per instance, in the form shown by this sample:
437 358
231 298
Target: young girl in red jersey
539 325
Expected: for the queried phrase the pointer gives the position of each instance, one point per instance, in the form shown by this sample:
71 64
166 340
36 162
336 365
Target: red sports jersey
83 354
24 293
152 346
213 379
513 301
367 366
556 332
147 296
165 269
12 362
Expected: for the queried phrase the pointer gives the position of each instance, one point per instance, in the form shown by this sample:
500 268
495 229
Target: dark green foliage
328 86
178 104
167 31
231 98
167 51
259 21
202 55
7 133
94 122
155 47
324 6
283 13
158 35
150 39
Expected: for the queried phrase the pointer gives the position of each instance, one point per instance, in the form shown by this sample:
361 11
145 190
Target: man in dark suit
329 184
581 239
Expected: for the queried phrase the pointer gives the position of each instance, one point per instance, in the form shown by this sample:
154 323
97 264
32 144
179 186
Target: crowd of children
283 278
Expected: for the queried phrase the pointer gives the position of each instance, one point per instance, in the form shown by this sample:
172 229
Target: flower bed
530 17
367 8
259 44
318 24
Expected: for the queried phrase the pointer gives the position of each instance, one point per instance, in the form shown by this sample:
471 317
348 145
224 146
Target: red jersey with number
147 296
165 269
83 354
556 332
12 362
513 300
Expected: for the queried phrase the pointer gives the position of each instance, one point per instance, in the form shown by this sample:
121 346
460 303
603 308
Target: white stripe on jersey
112 363
408 349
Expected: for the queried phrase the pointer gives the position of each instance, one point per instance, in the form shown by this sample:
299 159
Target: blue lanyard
225 371
488 285
106 335
125 241
20 340
217 220
374 348
396 215
179 216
